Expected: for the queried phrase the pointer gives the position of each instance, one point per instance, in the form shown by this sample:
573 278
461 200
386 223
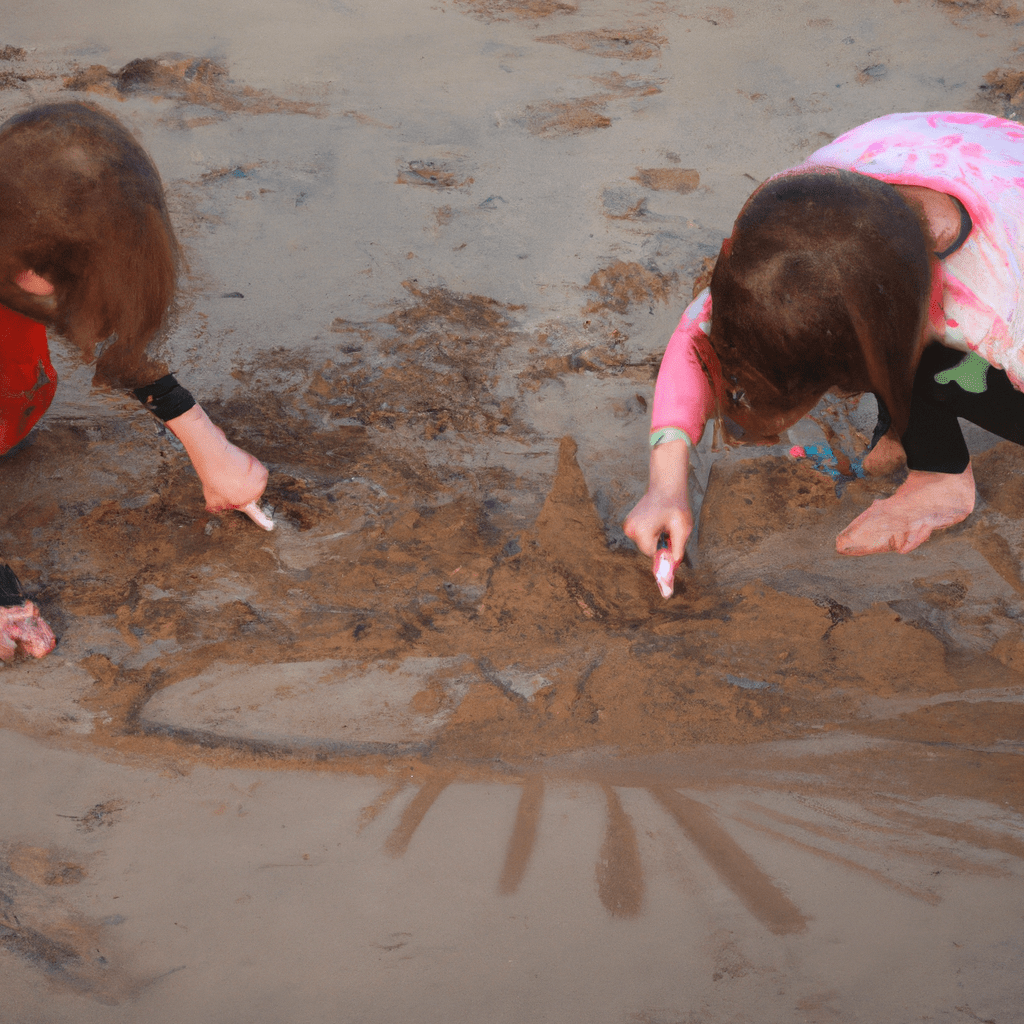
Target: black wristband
10 589
165 398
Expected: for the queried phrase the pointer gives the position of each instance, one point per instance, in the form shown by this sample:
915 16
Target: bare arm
231 477
665 508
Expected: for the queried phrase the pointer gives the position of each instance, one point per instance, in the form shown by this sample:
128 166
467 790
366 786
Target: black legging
933 440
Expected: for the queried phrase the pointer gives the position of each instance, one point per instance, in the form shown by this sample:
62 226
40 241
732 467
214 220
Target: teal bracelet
666 434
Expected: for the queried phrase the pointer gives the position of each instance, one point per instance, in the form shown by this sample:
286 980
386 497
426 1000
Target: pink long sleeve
683 397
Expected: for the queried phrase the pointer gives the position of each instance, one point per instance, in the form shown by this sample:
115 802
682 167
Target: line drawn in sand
884 839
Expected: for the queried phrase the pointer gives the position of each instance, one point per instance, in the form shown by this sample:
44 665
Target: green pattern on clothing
969 373
666 434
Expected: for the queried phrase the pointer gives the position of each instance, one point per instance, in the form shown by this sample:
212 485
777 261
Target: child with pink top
890 261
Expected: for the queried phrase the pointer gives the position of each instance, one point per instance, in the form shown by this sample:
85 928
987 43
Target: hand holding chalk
257 515
231 477
661 521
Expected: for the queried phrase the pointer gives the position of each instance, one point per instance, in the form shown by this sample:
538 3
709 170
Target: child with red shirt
86 246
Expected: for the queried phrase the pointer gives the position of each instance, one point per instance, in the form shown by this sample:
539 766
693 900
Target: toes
915 537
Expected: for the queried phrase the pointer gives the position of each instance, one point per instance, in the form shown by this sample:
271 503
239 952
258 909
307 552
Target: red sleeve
27 378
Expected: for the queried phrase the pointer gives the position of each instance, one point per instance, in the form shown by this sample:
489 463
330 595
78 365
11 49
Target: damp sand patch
331 705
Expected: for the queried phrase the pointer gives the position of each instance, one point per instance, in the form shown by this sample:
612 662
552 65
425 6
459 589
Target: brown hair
82 205
824 284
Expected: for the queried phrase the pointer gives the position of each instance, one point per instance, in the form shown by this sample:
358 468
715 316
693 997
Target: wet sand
435 748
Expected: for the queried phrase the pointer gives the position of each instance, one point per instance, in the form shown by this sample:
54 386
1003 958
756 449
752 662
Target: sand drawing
436 742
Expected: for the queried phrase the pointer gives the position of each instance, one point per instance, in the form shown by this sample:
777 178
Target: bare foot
923 503
886 457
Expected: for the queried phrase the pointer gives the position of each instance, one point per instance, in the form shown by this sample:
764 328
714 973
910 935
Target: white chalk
665 572
257 515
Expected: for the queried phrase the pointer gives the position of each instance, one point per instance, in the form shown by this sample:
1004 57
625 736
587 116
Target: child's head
824 284
81 205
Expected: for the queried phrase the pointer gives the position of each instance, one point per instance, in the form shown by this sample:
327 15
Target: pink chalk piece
797 452
665 572
257 515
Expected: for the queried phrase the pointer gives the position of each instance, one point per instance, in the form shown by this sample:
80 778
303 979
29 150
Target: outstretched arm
683 402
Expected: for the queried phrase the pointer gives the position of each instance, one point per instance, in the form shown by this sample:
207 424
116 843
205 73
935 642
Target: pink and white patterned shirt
977 158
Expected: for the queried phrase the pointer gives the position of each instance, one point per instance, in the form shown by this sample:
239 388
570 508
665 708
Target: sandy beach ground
435 749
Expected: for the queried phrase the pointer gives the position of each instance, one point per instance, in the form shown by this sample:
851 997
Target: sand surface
435 749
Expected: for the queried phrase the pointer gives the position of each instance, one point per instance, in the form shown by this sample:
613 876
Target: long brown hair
82 205
824 285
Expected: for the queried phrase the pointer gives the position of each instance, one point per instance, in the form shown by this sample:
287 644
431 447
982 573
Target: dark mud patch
432 365
1003 93
744 502
11 78
961 10
553 120
16 77
559 118
668 179
623 284
431 173
991 725
197 81
619 85
44 865
604 360
621 44
40 926
508 10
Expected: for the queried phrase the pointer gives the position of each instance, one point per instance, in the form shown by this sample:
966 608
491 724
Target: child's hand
655 514
22 626
665 508
231 478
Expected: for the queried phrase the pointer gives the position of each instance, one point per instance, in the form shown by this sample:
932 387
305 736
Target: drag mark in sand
958 831
370 811
524 835
628 44
879 876
398 842
755 890
620 874
844 830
